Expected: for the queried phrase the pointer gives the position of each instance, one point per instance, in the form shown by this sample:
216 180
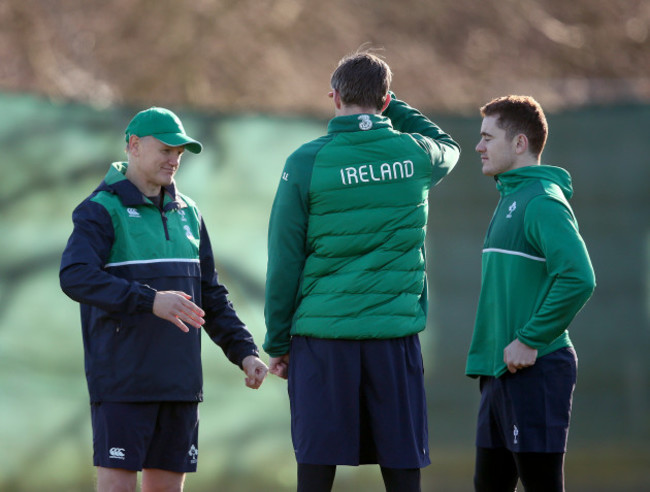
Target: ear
133 144
337 98
520 144
386 103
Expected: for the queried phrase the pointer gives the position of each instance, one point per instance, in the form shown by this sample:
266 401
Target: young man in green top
536 276
346 285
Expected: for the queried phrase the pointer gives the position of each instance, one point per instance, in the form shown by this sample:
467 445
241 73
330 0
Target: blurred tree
277 55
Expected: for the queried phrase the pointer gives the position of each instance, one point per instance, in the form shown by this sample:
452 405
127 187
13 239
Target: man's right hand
176 307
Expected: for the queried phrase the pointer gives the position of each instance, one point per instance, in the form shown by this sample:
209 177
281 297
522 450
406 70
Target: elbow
452 155
590 282
451 148
588 286
591 287
65 282
456 147
70 283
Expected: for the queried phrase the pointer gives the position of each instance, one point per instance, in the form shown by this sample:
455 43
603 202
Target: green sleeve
287 250
551 227
441 148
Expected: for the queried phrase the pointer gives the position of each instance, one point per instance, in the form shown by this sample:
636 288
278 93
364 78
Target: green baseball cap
163 125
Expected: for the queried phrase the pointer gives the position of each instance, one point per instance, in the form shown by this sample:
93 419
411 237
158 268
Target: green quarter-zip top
536 271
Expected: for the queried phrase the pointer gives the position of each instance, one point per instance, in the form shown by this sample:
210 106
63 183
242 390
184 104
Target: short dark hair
362 79
520 114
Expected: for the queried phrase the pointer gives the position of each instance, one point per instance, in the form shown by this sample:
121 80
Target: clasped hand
518 355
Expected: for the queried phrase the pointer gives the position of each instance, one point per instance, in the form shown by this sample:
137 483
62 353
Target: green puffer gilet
365 276
356 203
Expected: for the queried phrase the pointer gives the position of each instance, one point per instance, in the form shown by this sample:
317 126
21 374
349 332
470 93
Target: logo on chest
188 232
511 209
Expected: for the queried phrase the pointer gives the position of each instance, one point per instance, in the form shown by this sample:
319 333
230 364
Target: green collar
358 122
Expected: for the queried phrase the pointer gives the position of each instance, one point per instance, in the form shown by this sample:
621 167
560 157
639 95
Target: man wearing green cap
140 264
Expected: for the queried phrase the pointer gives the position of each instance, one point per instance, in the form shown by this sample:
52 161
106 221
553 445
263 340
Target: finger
195 321
190 307
196 310
260 375
282 371
182 321
256 373
179 323
253 383
190 317
179 293
253 372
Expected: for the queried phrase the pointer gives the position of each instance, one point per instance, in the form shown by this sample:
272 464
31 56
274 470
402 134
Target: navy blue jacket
122 250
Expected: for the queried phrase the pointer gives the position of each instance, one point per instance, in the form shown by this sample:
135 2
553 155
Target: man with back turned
346 286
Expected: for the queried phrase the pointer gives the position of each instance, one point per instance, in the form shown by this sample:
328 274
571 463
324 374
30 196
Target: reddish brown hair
520 114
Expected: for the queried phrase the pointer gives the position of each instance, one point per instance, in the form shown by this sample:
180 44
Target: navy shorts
358 402
133 436
529 411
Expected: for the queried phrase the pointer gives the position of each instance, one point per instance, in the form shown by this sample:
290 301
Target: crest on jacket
365 123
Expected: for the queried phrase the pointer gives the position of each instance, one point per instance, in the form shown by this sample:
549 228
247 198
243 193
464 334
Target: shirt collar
358 122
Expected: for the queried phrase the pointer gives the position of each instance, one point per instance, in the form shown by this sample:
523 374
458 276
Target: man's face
497 151
156 163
